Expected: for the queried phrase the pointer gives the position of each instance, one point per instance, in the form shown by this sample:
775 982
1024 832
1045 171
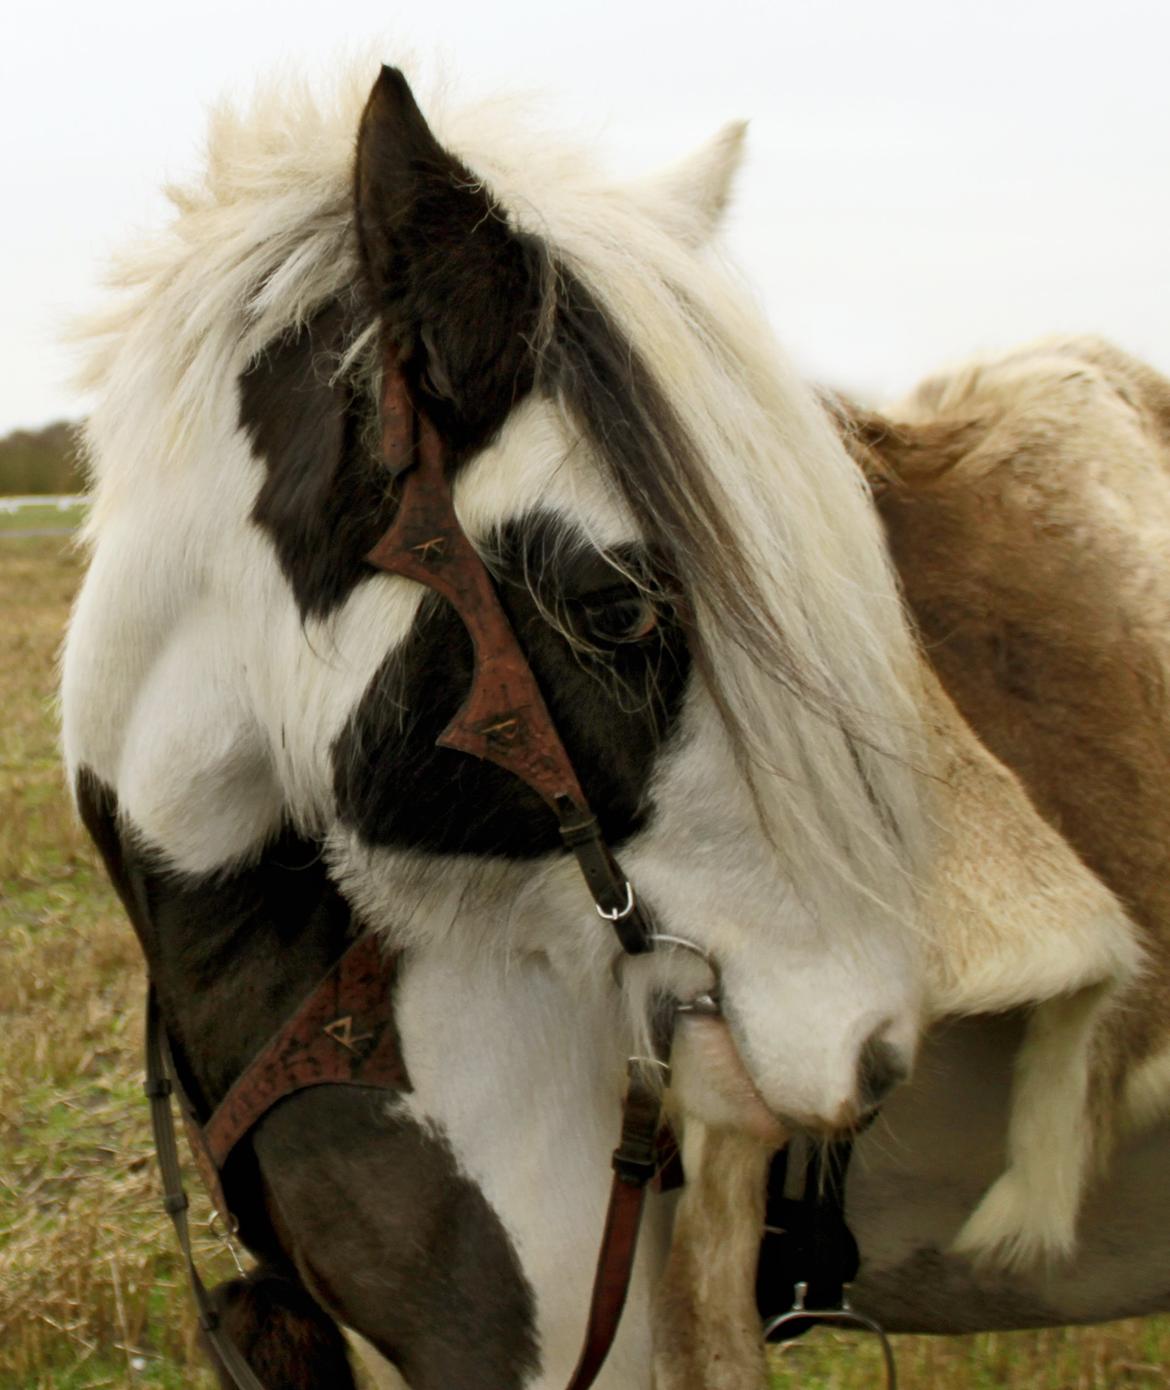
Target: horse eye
618 619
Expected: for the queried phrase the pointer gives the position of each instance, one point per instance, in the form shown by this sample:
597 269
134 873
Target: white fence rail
62 502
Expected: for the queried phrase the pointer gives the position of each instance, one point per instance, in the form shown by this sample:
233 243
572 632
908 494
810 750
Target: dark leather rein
343 1032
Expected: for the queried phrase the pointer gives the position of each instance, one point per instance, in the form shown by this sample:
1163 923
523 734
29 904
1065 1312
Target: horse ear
695 192
397 158
455 285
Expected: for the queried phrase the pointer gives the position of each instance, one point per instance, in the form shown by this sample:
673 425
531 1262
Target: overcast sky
925 179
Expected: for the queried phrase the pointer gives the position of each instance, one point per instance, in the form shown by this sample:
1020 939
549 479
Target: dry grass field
90 1289
90 1293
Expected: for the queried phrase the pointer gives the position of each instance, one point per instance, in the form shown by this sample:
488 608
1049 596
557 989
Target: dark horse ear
457 288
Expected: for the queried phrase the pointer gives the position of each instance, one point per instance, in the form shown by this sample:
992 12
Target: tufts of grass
38 517
1132 1355
90 1287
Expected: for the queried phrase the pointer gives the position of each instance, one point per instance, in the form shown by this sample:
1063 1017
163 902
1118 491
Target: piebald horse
691 560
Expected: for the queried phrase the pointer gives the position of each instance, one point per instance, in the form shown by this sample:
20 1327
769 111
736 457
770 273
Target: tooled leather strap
361 983
343 1034
504 718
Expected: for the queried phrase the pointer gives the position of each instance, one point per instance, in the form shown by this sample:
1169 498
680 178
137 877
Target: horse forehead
538 463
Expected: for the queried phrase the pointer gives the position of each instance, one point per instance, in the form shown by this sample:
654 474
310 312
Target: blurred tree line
40 461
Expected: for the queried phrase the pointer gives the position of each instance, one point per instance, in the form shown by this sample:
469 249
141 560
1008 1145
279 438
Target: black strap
806 1239
159 1089
609 887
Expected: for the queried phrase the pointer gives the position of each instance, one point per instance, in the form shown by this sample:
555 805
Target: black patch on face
387 1228
613 713
456 291
326 498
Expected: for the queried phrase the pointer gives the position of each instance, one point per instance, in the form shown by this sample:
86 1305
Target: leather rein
343 1032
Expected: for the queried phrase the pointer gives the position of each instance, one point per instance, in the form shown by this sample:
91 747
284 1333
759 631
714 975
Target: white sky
925 179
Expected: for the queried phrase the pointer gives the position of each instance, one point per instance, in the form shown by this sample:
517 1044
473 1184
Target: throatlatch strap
159 1089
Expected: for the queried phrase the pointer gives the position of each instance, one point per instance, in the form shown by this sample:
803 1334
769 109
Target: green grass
91 1294
1133 1355
40 518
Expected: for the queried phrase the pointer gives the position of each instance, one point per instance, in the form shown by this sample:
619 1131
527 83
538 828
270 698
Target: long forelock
733 472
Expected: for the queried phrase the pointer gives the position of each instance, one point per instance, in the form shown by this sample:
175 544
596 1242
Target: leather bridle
505 720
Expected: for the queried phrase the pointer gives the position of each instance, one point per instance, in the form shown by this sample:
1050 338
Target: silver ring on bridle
707 1001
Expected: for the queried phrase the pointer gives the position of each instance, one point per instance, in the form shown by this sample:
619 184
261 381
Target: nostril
880 1068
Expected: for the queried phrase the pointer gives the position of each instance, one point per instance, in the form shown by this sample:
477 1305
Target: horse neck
230 954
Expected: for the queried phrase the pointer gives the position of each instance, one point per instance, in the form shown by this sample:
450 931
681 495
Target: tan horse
1026 504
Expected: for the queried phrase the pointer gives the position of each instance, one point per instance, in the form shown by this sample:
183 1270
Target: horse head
685 552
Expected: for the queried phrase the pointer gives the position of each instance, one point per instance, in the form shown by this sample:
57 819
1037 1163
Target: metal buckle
706 1002
844 1316
618 914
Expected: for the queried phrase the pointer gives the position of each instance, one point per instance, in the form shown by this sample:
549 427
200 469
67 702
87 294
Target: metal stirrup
842 1316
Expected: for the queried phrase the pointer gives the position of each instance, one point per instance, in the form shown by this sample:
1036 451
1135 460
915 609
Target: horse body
1026 507
939 1146
1026 503
251 711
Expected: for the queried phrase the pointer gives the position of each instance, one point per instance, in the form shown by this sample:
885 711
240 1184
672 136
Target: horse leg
395 1241
706 1326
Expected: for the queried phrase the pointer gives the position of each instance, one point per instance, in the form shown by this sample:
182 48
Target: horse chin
711 1084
